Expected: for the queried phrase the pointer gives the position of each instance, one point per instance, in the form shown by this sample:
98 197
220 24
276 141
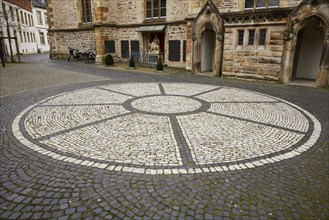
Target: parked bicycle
89 56
76 54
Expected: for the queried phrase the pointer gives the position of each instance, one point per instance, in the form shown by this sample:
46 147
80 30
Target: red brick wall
25 4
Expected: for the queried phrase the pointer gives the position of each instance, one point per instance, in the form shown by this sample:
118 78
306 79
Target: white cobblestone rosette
166 128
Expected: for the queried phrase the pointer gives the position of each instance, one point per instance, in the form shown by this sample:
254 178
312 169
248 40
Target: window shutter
109 46
174 50
125 49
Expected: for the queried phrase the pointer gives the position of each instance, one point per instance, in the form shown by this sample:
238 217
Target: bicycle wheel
79 56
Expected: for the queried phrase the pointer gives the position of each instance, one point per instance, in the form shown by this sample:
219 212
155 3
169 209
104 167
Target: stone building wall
229 5
131 12
106 11
195 6
63 14
129 34
175 32
123 18
103 34
177 10
263 62
81 40
225 6
289 3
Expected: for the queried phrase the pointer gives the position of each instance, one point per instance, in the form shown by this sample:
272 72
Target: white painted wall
310 53
41 28
208 50
25 46
31 28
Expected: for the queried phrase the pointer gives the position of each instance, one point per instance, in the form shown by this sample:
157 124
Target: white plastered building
41 25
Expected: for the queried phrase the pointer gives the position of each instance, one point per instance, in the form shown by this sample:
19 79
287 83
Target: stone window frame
256 5
151 9
239 40
262 36
246 41
251 38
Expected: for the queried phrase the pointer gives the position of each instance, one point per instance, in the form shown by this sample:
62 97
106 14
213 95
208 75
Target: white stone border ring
166 128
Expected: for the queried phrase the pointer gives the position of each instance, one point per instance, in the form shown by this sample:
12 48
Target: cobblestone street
80 141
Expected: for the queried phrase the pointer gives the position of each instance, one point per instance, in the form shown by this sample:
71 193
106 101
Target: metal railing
145 58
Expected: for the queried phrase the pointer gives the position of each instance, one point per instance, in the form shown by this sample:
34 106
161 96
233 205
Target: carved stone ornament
287 35
219 37
194 37
315 3
295 23
208 10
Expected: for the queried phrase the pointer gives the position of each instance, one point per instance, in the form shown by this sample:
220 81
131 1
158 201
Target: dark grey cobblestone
35 186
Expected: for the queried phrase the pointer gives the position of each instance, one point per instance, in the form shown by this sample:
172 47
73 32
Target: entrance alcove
208 41
308 50
306 46
208 49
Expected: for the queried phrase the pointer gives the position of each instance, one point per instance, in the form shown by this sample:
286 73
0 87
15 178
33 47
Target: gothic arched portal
306 49
208 36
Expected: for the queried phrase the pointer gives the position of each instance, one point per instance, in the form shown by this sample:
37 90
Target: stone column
194 53
100 45
322 78
288 58
189 45
218 55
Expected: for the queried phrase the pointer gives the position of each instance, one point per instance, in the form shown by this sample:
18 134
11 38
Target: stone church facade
264 39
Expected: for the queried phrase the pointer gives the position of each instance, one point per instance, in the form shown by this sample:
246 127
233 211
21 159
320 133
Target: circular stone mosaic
166 128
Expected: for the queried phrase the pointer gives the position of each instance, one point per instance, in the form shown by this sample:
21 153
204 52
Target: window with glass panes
12 17
251 4
251 37
42 38
262 37
22 18
155 9
86 11
39 17
46 18
17 15
240 37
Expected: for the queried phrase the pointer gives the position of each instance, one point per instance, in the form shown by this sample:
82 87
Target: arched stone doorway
208 37
309 48
208 49
306 48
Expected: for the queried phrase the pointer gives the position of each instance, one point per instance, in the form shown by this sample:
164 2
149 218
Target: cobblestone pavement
108 144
